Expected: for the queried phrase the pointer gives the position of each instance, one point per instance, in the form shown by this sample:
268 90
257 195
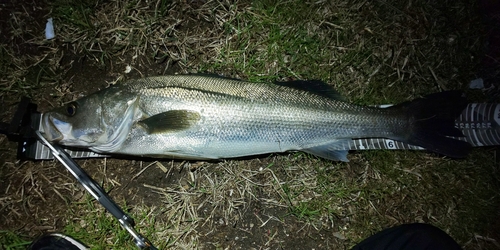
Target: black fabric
409 236
52 242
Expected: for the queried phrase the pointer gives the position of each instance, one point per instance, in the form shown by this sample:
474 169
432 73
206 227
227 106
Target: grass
372 52
95 225
11 240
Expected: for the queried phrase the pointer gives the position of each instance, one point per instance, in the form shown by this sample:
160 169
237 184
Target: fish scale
204 117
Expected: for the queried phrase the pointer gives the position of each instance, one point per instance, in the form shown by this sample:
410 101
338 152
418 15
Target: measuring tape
479 122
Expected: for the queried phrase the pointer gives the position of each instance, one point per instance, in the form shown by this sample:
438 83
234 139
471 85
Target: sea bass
204 117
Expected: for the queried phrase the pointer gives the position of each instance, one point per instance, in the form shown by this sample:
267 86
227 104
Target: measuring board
479 122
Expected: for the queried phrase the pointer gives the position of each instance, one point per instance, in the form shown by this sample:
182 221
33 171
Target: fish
203 117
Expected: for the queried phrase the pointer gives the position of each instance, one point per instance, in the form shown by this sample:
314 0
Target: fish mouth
62 132
50 129
57 130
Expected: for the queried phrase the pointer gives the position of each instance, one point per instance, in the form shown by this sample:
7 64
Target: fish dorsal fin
314 86
173 120
214 75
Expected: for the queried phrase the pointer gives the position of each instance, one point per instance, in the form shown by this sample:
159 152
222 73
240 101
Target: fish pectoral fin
332 151
170 121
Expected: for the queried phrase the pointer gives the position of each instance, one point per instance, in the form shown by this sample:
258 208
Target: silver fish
203 117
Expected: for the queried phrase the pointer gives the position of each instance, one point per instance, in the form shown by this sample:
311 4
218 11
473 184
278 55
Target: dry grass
373 52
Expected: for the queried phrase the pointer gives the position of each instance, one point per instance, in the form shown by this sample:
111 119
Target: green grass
98 227
10 240
372 52
91 224
268 43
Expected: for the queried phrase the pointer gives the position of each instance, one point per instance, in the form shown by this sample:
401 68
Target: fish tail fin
432 121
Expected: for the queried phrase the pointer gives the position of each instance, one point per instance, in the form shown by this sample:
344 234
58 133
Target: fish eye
71 109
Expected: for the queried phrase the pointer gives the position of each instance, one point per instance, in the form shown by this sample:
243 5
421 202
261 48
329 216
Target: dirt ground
249 211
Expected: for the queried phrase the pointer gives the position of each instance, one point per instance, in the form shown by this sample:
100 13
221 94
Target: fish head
100 120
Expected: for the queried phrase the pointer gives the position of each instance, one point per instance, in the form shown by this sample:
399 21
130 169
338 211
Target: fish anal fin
333 151
170 121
